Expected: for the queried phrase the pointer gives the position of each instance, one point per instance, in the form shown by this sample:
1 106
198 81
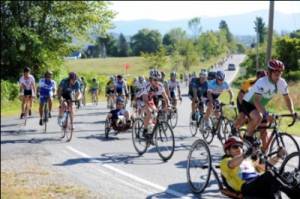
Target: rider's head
72 77
111 78
48 74
82 78
94 79
260 74
26 71
162 75
233 146
275 69
220 76
141 79
173 75
120 102
203 75
154 76
119 77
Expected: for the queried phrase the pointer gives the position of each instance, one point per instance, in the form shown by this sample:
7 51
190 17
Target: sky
172 10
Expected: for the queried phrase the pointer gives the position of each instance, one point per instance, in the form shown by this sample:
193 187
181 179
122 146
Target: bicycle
111 101
45 113
172 115
116 127
277 139
66 123
161 134
200 168
94 97
195 124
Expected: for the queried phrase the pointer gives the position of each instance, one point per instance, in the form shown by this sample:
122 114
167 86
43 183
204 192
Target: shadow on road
30 141
181 190
101 137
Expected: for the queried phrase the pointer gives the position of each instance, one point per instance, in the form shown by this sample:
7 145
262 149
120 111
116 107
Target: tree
223 26
189 55
173 39
123 46
147 41
260 29
195 26
156 59
39 34
112 46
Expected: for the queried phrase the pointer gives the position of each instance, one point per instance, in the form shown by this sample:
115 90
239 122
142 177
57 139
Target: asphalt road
111 167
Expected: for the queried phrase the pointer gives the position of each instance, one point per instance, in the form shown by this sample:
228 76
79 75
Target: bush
292 76
9 91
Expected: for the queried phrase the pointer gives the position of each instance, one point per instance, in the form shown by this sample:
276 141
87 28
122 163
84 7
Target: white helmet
155 74
203 73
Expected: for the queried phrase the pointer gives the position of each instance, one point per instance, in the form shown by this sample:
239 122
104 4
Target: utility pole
270 31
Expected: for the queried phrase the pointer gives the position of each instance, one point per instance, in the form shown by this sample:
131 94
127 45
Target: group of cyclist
145 95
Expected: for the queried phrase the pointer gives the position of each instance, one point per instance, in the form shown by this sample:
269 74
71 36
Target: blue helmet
220 75
120 99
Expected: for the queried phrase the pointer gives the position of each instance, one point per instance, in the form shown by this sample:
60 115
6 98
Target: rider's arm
166 98
179 91
236 161
289 103
209 96
257 104
230 95
195 96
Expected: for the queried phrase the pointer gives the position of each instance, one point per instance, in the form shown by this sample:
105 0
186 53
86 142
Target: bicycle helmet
260 74
173 74
120 99
275 64
233 140
220 75
119 76
72 75
154 74
203 73
48 73
141 78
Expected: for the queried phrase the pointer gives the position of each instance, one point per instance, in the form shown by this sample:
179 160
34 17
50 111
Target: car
211 75
231 67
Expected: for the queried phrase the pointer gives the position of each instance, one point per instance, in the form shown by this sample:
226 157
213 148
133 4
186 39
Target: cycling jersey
94 85
67 88
246 85
201 88
237 176
173 85
140 85
47 87
117 112
27 84
266 89
153 91
120 87
216 89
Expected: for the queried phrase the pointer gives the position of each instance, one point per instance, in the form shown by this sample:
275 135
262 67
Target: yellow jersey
246 85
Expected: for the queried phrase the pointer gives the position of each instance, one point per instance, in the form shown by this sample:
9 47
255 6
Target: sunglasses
235 146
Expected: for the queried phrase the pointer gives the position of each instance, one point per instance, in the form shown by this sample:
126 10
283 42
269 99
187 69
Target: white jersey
173 85
266 89
140 85
27 82
154 91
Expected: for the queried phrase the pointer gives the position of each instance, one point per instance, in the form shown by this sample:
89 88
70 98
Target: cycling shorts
43 99
28 92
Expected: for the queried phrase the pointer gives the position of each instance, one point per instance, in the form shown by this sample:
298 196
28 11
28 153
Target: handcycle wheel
107 128
164 140
286 141
173 118
139 141
68 129
193 126
207 134
199 165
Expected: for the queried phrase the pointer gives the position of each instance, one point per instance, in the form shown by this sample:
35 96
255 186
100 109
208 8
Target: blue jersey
66 87
117 112
120 86
201 88
46 87
216 89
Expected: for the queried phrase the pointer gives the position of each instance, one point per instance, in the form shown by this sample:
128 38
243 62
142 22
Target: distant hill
238 24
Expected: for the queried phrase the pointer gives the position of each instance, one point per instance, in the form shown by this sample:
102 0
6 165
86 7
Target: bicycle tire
282 143
224 131
107 128
160 136
173 115
45 118
193 127
139 141
68 128
295 164
206 163
207 134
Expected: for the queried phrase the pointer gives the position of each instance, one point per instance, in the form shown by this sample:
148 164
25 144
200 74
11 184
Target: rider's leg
254 120
208 110
50 104
23 98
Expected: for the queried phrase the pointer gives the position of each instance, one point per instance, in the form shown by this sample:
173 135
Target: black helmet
72 75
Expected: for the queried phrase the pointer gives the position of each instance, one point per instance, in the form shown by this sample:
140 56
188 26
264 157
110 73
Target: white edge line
133 177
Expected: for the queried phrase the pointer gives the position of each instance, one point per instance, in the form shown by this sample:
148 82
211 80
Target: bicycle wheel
107 128
193 126
290 163
45 117
199 165
207 134
164 140
173 118
225 130
68 128
139 141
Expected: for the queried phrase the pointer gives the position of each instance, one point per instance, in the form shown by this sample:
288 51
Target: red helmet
233 140
260 74
275 64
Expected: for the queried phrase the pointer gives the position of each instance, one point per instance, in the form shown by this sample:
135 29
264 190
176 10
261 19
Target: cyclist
94 89
166 87
119 117
27 90
46 90
140 85
152 90
110 89
246 85
247 176
173 85
82 89
198 90
66 89
261 93
215 88
121 87
133 90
